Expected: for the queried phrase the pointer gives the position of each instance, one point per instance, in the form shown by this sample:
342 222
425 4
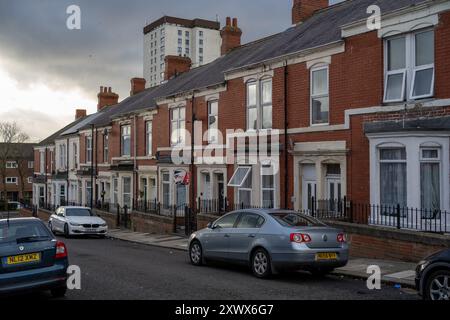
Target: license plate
91 230
24 258
326 256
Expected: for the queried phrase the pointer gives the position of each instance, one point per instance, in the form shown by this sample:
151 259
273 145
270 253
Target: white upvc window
30 164
11 180
320 99
62 156
242 180
75 155
393 182
106 147
430 181
30 180
213 121
125 140
166 190
88 149
41 162
11 165
267 188
148 138
178 125
259 104
409 67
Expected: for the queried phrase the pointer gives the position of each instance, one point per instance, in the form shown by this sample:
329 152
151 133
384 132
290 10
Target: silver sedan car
270 241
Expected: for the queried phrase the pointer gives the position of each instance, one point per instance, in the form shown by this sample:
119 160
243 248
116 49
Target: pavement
120 270
392 272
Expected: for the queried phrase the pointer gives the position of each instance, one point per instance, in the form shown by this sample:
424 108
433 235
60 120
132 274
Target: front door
309 186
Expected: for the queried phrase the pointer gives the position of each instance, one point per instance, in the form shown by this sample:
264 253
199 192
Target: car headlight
103 225
73 224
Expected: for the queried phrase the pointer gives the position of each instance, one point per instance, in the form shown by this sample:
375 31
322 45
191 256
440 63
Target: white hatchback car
77 221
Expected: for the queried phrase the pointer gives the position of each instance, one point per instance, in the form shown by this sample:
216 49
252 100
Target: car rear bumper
307 260
34 280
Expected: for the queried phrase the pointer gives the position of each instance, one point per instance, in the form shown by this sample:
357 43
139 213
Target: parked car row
268 241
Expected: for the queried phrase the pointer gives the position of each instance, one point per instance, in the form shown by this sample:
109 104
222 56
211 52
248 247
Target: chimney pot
137 85
176 65
80 113
231 36
304 9
106 98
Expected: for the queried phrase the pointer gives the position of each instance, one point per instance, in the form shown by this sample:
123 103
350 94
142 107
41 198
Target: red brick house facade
361 113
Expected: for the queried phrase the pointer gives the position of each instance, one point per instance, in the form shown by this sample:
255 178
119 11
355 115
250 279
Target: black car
31 259
433 276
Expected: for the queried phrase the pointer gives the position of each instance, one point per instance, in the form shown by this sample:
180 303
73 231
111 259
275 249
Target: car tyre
437 286
58 292
196 253
66 231
261 264
50 226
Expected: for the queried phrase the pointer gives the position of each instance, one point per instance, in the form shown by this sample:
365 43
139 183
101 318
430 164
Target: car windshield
23 231
292 219
78 213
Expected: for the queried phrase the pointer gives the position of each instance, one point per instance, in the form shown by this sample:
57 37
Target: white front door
309 186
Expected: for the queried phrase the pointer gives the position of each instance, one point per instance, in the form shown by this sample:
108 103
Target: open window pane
395 87
424 48
396 54
423 82
239 177
320 109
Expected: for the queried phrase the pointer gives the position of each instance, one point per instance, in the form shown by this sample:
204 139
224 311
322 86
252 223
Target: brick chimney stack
304 9
106 98
176 65
80 113
137 85
231 36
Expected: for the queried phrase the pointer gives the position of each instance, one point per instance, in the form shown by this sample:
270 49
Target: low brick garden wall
150 223
391 244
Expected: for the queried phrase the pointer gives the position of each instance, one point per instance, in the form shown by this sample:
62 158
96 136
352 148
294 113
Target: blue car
31 259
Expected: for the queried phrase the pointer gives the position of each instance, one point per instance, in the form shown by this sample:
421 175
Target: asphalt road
113 269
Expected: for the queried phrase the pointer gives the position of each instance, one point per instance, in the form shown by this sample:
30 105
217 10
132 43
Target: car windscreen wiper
32 239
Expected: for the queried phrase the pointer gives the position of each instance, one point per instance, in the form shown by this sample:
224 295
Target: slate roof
51 139
323 28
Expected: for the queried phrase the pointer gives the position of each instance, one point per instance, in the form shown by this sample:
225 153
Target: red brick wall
442 40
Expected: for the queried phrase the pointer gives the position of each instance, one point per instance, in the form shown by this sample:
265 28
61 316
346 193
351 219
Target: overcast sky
47 71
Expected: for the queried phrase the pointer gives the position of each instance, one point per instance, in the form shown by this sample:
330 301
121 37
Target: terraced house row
362 114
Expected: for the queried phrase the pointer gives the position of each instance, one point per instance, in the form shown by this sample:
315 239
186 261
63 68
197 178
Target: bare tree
10 136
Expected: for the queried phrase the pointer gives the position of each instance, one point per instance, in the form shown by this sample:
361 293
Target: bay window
178 125
320 103
148 138
213 121
125 140
409 69
259 104
242 180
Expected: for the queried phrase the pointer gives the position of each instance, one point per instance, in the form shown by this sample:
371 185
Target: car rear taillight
341 238
300 238
61 250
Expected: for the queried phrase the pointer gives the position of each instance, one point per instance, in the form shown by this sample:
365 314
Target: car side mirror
210 225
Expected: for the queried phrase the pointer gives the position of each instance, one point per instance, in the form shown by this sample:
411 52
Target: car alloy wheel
261 264
439 286
196 253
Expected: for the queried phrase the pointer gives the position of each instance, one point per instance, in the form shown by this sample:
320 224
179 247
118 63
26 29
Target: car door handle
251 235
227 236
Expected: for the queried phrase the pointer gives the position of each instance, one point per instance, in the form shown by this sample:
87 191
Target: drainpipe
192 153
286 125
67 170
46 179
92 167
135 173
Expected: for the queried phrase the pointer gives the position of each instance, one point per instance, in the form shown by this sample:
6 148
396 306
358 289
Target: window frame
11 165
313 96
259 105
210 115
89 149
410 70
12 180
149 138
122 139
235 185
272 189
437 160
106 148
181 137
